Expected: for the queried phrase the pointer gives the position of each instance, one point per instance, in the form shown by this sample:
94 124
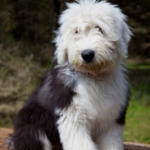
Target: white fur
45 141
90 122
84 17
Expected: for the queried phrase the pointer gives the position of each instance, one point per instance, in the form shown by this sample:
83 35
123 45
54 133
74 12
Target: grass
139 66
19 76
137 127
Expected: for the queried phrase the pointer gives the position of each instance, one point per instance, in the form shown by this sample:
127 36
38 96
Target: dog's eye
76 32
99 29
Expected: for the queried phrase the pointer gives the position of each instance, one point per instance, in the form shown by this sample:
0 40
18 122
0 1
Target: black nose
87 55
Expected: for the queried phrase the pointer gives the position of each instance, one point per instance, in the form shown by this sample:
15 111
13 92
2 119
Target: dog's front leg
74 134
111 139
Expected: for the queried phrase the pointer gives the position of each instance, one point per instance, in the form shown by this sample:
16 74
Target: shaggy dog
81 103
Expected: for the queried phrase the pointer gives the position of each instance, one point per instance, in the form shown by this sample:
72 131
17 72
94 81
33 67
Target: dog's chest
98 100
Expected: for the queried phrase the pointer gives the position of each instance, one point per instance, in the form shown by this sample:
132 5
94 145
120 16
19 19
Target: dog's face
92 36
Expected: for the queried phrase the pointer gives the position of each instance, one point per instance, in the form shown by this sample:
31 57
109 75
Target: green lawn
137 127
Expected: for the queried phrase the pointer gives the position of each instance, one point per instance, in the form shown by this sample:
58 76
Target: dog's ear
126 36
61 52
124 32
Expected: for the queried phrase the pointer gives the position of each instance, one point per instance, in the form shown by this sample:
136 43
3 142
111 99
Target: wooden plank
136 146
4 132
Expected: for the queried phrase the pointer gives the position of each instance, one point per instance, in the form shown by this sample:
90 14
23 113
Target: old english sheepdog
82 101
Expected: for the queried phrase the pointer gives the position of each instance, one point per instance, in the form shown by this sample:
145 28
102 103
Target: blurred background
26 51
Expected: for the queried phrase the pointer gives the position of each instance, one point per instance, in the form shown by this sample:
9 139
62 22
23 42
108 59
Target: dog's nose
87 55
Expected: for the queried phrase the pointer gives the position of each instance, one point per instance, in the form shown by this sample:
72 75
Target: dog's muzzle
88 55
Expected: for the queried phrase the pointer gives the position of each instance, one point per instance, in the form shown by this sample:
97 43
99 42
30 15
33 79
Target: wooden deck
4 132
3 138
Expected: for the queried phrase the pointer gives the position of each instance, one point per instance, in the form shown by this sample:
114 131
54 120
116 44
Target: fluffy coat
80 105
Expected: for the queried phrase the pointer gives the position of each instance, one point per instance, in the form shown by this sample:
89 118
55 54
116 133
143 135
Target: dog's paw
114 147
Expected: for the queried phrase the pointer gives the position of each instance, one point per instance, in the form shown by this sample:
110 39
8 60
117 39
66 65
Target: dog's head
92 37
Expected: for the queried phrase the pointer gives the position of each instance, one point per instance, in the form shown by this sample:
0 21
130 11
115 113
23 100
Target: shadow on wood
4 132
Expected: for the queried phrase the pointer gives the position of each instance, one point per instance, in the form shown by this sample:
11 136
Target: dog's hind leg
46 143
28 137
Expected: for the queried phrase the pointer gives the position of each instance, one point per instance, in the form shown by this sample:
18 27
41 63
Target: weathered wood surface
4 132
136 146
